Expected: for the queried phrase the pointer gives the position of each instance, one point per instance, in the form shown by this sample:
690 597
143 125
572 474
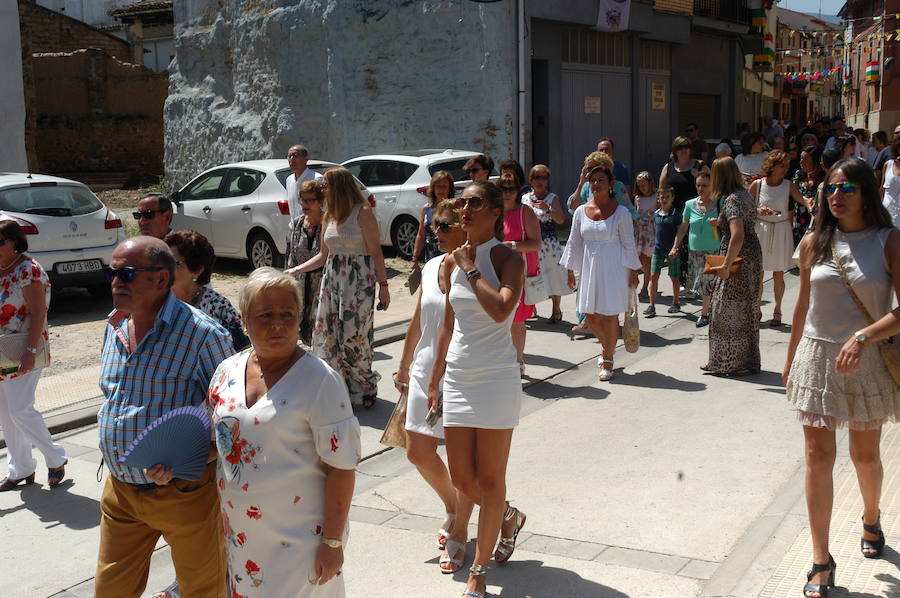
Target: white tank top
431 317
892 192
775 198
346 238
478 342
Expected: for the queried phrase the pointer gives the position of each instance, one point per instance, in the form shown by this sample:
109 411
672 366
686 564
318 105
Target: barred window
586 46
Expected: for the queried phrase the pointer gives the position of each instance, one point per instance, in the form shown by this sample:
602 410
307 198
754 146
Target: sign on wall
613 15
592 104
658 96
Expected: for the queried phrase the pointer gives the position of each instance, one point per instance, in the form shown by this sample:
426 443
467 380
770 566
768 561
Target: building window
586 46
655 56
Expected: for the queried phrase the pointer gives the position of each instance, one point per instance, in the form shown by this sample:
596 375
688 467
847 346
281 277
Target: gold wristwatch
861 337
332 543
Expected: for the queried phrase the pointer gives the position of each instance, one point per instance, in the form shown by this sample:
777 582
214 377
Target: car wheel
261 251
403 236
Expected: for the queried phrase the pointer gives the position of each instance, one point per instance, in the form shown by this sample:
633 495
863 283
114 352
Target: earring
194 279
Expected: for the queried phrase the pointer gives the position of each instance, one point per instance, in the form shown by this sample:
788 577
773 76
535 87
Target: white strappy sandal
443 534
475 571
606 373
449 556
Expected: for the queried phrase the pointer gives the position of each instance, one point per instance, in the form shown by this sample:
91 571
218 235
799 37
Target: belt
142 487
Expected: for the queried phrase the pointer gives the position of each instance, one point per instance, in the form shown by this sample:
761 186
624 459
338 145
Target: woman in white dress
412 376
550 212
288 444
601 245
481 393
890 186
775 228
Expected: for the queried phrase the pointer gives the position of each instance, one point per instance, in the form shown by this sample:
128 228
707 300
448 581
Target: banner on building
613 15
872 72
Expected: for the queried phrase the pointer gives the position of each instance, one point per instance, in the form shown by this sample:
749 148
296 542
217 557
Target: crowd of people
281 374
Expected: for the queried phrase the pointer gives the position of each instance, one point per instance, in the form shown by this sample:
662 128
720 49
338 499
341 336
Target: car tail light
112 221
283 207
422 190
371 199
27 227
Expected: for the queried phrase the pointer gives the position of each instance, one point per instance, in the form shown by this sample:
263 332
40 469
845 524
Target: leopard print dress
734 317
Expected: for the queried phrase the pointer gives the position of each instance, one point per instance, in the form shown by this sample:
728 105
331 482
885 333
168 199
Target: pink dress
514 230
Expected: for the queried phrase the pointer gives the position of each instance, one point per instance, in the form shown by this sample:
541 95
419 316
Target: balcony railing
735 11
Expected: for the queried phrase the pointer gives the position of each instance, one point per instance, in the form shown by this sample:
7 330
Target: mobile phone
433 416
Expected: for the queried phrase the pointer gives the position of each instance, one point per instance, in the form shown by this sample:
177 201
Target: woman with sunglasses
24 301
550 213
601 246
680 172
481 391
834 372
426 246
479 168
521 232
412 376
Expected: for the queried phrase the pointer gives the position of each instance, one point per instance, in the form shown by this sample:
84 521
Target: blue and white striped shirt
170 368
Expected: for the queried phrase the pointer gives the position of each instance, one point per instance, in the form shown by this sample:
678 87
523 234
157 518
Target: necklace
10 265
280 370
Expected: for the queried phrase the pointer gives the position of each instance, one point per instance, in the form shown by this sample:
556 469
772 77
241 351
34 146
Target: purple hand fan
179 439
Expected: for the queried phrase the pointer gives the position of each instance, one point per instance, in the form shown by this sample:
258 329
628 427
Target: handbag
13 345
395 430
714 261
535 287
631 330
890 348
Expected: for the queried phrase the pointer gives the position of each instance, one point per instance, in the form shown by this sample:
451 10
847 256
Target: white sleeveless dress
775 234
431 318
482 387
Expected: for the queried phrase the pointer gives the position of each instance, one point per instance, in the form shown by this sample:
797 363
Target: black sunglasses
126 274
148 214
509 189
473 203
444 227
476 169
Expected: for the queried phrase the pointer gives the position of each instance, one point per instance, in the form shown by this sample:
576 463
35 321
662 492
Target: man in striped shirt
158 354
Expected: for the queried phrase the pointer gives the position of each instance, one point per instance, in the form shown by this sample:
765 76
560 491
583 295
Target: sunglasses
471 170
540 177
148 214
473 203
127 273
509 189
598 181
444 227
846 188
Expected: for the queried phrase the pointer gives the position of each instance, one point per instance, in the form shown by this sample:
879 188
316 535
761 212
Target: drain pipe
520 44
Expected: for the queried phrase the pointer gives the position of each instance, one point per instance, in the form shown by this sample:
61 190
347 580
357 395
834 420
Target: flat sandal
475 571
506 546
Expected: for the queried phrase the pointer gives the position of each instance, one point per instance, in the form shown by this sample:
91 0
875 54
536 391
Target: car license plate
79 267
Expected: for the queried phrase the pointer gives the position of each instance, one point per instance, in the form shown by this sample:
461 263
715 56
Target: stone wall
50 31
346 77
111 119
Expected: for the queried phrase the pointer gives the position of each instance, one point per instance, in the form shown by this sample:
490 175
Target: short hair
602 139
480 160
196 250
808 139
774 158
446 206
680 142
440 175
692 125
508 179
263 279
595 159
11 231
723 147
667 191
644 176
830 157
609 176
815 152
881 136
301 148
161 256
538 170
163 203
313 186
749 140
516 168
725 177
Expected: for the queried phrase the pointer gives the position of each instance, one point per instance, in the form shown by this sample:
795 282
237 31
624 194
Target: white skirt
417 407
777 242
487 398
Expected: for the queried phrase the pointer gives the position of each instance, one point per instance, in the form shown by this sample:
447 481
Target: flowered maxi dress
344 335
270 475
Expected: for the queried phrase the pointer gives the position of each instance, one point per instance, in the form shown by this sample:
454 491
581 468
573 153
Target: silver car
71 234
241 208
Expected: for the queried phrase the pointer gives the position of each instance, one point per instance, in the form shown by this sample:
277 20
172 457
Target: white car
242 209
399 182
71 234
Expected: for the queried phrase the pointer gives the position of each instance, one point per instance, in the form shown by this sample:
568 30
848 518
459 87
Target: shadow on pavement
61 507
653 340
649 379
532 578
550 390
550 362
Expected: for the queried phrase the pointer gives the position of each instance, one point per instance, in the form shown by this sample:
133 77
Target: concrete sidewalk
665 482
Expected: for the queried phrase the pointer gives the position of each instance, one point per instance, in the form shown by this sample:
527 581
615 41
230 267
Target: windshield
50 200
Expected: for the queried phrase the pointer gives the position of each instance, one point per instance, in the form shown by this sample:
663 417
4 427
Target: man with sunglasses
154 215
158 354
699 148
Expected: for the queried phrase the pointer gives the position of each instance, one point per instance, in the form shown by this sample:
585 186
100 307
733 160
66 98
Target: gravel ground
77 320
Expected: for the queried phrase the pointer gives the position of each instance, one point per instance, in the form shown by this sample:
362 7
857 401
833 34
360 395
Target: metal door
653 143
596 102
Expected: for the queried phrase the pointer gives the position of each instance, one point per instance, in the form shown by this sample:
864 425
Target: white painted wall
12 95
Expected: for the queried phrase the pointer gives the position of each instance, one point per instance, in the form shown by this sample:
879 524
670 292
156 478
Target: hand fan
179 439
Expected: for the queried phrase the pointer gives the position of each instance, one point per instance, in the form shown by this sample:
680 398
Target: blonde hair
725 178
440 175
263 279
774 158
314 187
341 196
539 169
644 176
447 206
599 159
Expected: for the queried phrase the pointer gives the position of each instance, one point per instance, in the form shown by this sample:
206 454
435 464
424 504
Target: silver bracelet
473 273
32 350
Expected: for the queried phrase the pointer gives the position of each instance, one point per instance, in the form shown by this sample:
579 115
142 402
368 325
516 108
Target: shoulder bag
631 330
890 348
13 345
395 429
535 288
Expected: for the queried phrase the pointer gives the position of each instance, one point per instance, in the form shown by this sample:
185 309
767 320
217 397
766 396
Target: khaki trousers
186 514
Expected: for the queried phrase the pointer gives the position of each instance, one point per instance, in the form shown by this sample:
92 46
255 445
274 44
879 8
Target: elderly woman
23 310
303 244
734 321
834 373
194 260
288 446
412 376
601 246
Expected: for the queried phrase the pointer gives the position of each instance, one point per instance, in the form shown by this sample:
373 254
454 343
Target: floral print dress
270 475
14 314
220 309
344 333
555 276
302 245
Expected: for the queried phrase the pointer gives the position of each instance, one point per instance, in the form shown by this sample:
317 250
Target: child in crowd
667 219
645 226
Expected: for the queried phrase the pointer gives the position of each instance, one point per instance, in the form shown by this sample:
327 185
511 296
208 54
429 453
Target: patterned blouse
220 309
14 314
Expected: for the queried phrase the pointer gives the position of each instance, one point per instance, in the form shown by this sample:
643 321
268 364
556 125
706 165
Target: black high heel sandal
8 483
820 588
876 545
